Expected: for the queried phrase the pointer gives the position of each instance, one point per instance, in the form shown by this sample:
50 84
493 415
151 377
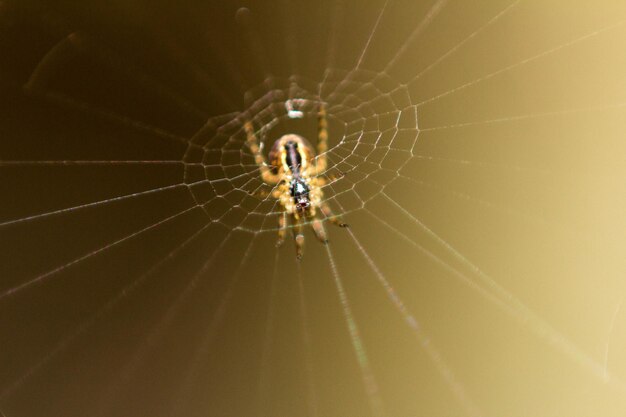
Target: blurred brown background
519 168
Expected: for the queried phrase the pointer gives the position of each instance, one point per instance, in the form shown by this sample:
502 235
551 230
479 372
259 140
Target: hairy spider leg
298 237
320 231
332 217
334 176
282 229
253 143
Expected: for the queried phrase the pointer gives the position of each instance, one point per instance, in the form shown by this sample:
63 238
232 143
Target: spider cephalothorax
298 179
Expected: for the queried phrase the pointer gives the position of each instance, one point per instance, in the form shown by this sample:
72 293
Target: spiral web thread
379 132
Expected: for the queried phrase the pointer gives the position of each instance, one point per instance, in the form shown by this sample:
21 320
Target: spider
297 179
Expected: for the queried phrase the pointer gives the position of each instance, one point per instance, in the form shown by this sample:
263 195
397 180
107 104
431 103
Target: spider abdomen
278 155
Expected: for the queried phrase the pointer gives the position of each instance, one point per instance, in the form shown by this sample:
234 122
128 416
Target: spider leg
322 130
320 231
253 143
332 217
260 194
282 229
335 176
322 141
298 238
276 192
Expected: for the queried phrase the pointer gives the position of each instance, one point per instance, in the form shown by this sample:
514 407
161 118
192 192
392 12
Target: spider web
378 132
407 311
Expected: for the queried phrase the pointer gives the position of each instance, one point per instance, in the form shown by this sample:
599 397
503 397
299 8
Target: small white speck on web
295 114
292 111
